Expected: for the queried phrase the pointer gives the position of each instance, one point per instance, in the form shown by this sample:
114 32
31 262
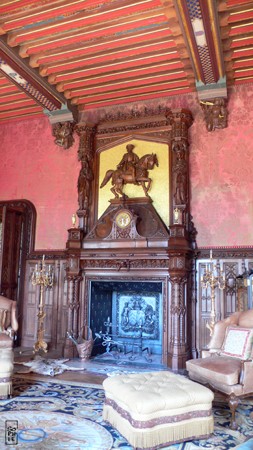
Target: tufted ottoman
155 409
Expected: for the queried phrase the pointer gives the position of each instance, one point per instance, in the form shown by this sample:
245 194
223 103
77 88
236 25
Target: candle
73 220
176 215
43 258
211 254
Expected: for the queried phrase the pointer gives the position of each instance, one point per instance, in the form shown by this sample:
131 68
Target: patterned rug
60 415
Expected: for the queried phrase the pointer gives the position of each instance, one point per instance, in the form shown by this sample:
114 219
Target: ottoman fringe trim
5 389
161 434
159 421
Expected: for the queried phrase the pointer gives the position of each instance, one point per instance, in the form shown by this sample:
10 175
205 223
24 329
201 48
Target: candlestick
44 279
73 220
213 277
176 215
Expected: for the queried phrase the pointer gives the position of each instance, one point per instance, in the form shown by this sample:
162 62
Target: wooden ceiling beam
135 98
8 89
8 6
143 21
148 79
20 112
118 54
121 9
100 44
130 73
137 61
6 97
132 91
47 10
9 105
125 84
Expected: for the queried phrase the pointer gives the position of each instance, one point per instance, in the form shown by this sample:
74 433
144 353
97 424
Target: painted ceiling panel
87 54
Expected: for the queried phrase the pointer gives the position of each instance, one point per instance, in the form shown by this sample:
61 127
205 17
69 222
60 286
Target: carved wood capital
73 282
86 132
73 267
180 120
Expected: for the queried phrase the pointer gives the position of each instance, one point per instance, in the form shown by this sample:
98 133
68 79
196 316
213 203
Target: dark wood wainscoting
232 298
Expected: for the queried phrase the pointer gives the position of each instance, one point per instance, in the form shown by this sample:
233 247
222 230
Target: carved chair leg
233 401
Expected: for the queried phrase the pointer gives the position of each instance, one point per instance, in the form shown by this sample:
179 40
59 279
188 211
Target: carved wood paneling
55 307
226 300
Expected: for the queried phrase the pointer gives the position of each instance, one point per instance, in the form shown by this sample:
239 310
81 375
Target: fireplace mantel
130 241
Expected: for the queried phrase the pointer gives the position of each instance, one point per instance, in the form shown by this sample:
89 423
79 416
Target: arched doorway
17 225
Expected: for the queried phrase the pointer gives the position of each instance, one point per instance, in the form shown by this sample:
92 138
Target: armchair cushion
215 369
238 342
5 341
3 319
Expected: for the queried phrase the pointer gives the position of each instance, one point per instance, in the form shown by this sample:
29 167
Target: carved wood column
73 300
86 133
180 243
178 347
180 121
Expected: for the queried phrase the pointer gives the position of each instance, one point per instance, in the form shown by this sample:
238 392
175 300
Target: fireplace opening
126 319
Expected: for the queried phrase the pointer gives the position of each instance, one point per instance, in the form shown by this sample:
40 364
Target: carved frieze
135 112
125 263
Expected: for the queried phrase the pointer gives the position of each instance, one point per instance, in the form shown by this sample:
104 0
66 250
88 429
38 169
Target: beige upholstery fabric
238 342
157 408
6 369
232 376
220 331
245 319
3 319
5 341
8 326
223 370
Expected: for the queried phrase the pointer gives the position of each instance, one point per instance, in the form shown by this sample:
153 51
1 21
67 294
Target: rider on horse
128 162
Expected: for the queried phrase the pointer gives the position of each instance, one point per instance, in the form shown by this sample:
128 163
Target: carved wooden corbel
63 133
215 112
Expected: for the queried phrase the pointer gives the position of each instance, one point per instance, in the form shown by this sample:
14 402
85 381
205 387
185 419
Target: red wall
35 169
221 175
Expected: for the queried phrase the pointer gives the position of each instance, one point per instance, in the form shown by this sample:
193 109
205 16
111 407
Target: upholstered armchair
8 328
227 365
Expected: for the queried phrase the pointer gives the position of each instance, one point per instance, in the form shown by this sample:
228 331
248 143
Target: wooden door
12 238
17 222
